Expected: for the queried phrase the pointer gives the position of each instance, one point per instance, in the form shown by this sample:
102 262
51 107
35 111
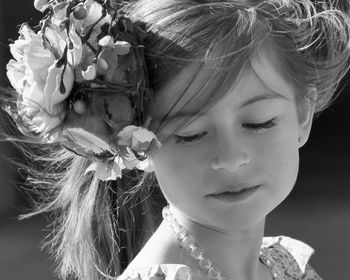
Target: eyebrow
271 94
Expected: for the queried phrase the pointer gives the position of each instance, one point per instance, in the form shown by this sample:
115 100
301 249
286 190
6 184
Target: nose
230 155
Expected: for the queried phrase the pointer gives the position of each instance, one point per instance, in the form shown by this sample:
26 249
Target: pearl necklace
188 242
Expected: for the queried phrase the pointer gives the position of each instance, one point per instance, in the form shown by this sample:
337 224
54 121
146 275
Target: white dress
291 258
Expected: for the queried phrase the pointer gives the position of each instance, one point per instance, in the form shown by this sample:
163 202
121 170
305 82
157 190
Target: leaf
87 140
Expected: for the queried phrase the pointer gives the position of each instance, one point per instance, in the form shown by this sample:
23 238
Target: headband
82 81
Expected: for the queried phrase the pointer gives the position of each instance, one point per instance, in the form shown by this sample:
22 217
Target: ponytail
97 227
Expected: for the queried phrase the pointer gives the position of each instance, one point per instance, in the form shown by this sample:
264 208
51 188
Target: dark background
317 211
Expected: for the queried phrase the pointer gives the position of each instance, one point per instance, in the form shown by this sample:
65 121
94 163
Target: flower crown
82 82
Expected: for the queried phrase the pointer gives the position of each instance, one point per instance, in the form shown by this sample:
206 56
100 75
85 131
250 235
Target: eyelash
256 127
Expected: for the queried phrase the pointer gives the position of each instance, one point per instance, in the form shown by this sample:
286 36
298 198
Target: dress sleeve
293 255
158 272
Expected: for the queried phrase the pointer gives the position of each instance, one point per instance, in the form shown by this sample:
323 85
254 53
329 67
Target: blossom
60 11
59 39
94 15
81 43
38 121
41 5
138 142
131 161
139 139
107 170
40 83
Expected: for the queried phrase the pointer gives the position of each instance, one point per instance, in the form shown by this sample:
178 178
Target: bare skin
229 153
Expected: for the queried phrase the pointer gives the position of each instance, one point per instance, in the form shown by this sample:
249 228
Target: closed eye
255 127
192 139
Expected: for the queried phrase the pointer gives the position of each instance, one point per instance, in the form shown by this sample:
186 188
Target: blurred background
316 212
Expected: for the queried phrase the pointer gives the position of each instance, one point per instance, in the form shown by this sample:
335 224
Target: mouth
234 196
233 189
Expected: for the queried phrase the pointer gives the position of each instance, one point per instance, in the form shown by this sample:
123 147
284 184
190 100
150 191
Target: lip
230 197
233 188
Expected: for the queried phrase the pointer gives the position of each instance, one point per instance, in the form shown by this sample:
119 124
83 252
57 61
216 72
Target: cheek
183 159
172 166
282 156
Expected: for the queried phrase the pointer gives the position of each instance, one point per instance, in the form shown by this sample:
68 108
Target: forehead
185 91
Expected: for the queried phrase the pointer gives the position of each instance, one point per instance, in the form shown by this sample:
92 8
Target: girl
211 100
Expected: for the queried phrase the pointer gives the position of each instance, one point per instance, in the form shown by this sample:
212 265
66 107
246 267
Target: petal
17 49
106 41
143 138
145 165
125 135
131 161
45 123
92 168
53 94
15 74
90 73
41 5
75 55
57 38
105 171
94 12
37 61
144 135
26 32
60 11
33 95
122 47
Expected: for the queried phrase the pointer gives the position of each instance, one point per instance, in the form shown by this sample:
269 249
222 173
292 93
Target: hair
99 227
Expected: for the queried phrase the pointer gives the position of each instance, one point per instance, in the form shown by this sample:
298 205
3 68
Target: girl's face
249 138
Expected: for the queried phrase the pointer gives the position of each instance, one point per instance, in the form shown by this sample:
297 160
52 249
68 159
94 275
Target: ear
306 112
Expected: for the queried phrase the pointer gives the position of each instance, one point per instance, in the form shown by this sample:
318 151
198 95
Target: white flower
38 121
60 11
41 5
107 170
106 41
137 138
94 15
41 85
59 39
131 162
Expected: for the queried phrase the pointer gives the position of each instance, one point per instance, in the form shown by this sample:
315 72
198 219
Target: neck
234 252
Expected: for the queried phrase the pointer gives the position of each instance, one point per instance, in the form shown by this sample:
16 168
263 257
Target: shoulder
158 272
291 256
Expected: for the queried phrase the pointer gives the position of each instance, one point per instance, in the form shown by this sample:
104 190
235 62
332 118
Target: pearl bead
205 263
214 273
197 252
79 12
188 242
181 234
175 227
79 107
165 213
